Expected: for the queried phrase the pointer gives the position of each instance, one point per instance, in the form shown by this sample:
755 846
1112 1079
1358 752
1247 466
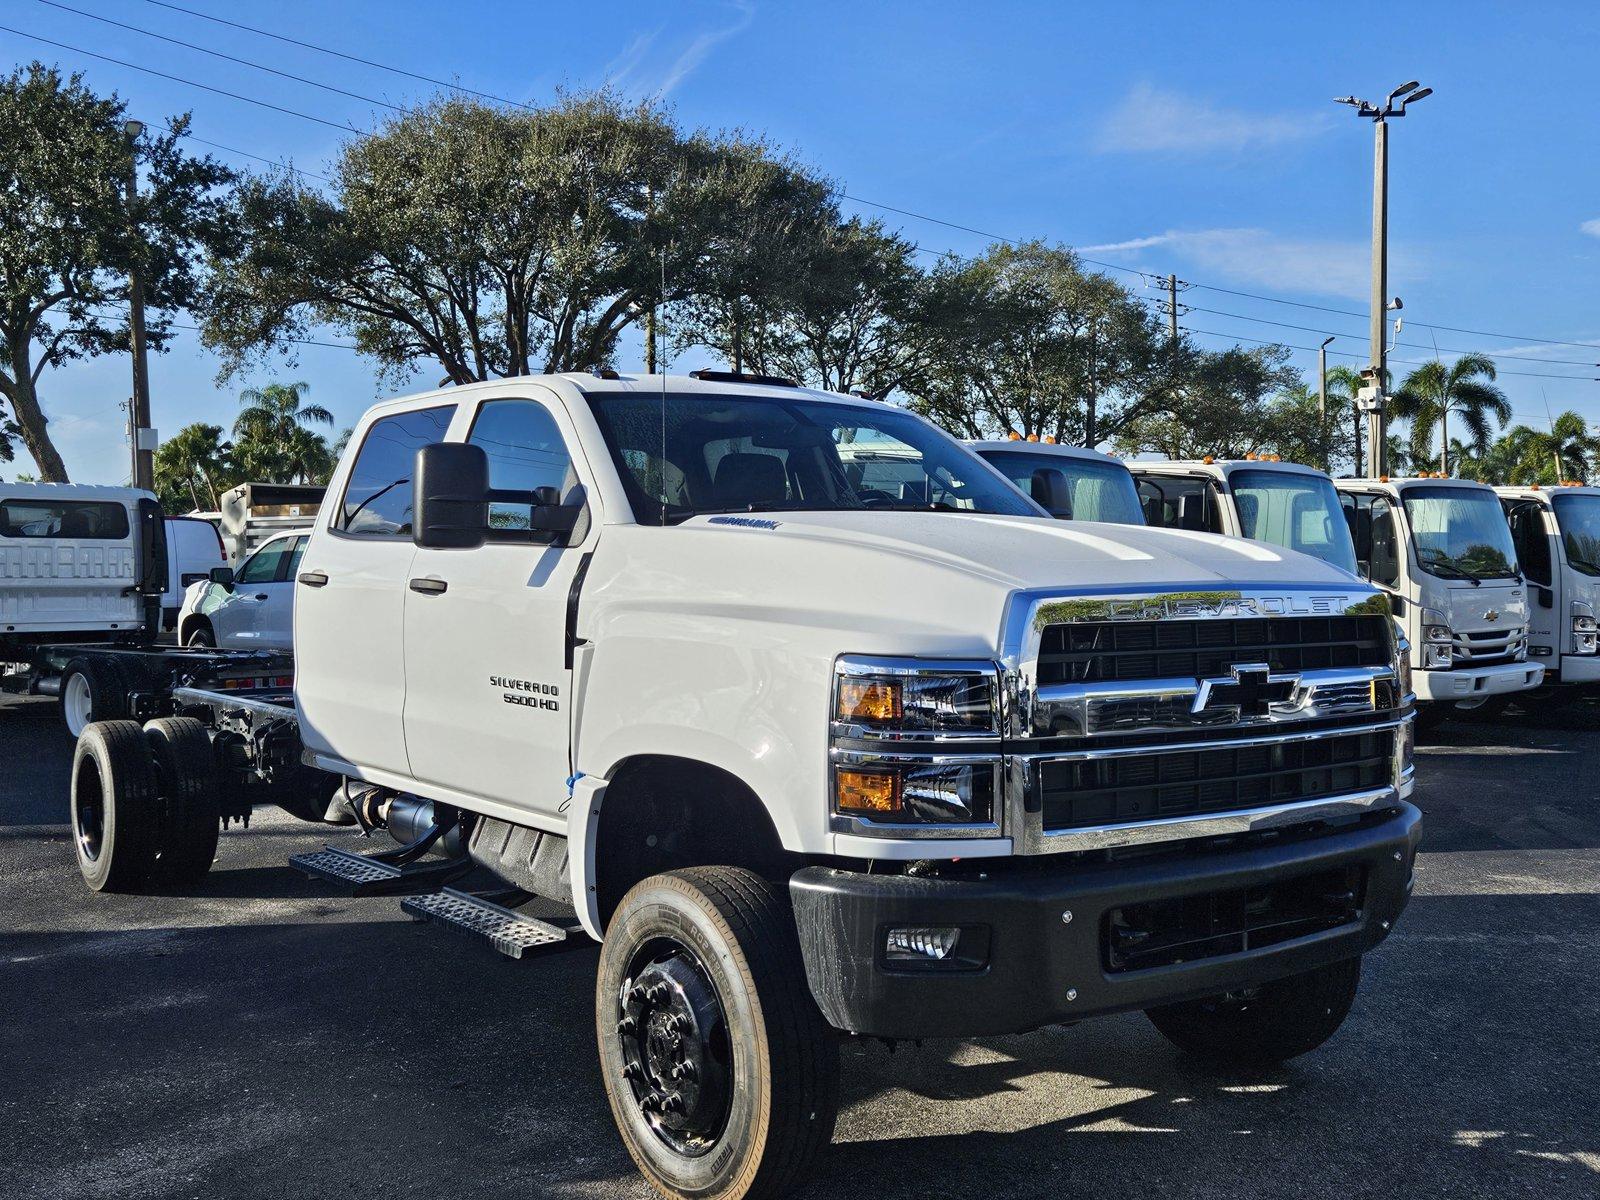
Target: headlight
1585 631
1435 634
881 781
894 698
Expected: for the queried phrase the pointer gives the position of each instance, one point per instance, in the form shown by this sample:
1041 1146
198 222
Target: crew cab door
488 665
350 594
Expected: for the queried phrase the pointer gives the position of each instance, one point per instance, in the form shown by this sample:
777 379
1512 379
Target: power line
243 62
1408 362
258 157
206 87
844 195
366 62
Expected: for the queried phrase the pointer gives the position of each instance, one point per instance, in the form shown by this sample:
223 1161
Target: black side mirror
1052 492
450 496
549 515
222 576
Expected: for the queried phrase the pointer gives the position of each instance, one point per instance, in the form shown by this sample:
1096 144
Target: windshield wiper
1443 564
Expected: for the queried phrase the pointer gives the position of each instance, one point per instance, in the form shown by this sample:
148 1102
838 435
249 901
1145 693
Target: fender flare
583 823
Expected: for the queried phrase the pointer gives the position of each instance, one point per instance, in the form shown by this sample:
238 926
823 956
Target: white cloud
1271 261
1592 228
1151 119
638 71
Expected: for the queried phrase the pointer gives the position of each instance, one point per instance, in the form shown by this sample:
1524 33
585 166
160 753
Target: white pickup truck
808 755
1557 535
1442 551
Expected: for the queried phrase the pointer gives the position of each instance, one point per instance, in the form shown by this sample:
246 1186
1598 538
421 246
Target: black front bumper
1038 968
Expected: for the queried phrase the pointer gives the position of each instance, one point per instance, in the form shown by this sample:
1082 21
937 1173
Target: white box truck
809 757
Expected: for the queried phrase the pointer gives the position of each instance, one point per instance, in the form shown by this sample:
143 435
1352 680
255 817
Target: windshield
1579 519
1100 491
687 455
1460 533
1295 511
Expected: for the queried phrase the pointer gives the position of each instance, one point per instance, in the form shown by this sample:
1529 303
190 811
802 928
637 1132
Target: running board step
366 875
509 932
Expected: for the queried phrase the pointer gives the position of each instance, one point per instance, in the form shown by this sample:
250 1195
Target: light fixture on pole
1373 398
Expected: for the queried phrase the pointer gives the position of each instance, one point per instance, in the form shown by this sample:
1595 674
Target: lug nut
632 1071
627 1026
1066 917
673 1103
1072 994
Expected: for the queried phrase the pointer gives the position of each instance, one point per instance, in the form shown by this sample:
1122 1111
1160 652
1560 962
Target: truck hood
1026 552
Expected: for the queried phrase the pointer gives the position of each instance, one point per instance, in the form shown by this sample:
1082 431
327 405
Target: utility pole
1172 309
143 442
1373 399
1322 381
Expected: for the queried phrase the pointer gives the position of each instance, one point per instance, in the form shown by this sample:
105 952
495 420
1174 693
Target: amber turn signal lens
867 791
877 701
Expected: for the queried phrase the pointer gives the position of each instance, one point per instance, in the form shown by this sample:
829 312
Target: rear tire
186 780
1265 1024
116 809
92 690
702 967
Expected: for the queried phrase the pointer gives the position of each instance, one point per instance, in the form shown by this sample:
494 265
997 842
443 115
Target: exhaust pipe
409 817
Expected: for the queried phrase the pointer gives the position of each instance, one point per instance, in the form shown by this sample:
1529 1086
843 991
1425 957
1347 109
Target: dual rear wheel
144 803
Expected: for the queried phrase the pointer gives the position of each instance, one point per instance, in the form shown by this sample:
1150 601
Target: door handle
313 579
429 587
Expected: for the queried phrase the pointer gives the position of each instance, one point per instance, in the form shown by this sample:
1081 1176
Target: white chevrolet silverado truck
809 757
1442 551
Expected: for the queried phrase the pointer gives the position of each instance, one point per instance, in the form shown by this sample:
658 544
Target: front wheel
1267 1023
722 1075
92 690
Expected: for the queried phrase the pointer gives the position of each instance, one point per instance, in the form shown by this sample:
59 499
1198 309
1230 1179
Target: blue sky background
1198 139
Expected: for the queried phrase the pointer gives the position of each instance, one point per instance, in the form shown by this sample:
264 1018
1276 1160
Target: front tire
1265 1024
723 1077
116 818
202 637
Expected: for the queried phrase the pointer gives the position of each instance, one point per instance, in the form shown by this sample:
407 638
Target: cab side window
526 452
377 497
1526 519
1376 536
266 564
1172 502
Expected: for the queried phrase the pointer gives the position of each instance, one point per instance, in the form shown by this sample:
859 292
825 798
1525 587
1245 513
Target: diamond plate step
365 875
511 933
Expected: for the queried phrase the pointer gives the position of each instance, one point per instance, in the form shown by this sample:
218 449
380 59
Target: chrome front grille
1196 713
1119 651
1486 647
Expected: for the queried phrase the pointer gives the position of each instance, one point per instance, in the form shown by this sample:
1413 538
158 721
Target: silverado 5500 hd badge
527 692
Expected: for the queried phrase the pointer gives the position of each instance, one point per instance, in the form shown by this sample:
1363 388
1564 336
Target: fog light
1436 657
921 943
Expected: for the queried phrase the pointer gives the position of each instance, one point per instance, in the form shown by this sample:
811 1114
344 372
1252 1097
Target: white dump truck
1069 482
1557 535
1442 551
812 750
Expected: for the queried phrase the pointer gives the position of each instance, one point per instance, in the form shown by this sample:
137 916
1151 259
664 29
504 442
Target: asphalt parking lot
263 1036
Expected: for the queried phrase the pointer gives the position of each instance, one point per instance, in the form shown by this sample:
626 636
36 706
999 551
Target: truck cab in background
1443 552
1557 535
1069 482
1265 500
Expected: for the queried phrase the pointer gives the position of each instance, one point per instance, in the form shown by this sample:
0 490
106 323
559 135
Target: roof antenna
661 358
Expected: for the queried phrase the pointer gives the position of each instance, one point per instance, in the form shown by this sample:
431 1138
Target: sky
1200 140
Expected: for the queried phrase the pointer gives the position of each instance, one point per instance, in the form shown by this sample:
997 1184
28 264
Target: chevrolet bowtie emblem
1492 615
1251 688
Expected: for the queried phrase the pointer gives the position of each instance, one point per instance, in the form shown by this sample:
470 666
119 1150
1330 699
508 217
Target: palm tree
1568 451
193 462
1433 391
271 440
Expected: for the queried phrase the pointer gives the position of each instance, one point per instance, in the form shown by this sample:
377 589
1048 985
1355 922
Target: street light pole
143 448
1374 401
